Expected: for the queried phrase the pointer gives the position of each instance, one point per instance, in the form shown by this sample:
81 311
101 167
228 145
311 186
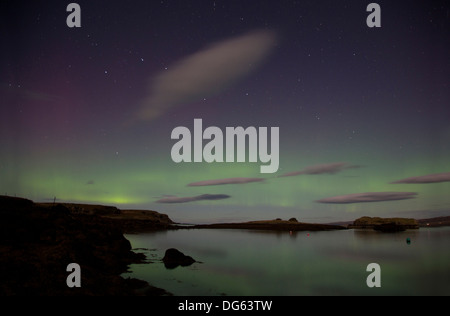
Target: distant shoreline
275 225
40 239
141 221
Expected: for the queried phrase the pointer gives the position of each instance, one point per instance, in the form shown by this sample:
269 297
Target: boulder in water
174 258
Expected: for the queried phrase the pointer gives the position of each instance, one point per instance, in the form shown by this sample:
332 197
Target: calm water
243 262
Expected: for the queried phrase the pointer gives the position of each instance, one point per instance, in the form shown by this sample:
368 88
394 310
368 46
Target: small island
273 225
385 224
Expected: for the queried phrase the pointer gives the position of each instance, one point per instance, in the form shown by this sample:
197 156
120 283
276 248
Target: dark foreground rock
174 258
38 243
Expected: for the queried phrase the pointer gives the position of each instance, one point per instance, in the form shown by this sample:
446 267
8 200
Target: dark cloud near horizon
329 168
203 197
225 181
430 178
369 197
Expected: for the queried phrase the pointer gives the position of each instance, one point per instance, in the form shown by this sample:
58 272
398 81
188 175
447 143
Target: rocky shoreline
38 242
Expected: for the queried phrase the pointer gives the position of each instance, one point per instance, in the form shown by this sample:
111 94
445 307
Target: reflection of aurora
323 263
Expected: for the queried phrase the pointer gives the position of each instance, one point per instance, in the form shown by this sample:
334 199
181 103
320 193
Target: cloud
206 73
225 181
430 178
369 197
204 197
330 168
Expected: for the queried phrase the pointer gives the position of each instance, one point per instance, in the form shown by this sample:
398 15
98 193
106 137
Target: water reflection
373 234
247 262
280 234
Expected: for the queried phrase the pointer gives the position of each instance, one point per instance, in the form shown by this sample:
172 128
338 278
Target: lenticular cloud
430 178
329 168
369 197
204 197
206 72
225 181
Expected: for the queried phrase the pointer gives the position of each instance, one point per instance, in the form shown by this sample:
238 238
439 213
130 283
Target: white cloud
206 72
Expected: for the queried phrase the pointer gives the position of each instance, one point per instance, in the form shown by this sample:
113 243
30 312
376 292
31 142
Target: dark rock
389 228
174 258
38 243
293 219
385 224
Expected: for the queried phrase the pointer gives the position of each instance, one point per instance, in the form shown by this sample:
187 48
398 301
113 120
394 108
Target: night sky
86 114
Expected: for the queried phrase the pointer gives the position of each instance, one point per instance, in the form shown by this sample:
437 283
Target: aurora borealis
86 114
